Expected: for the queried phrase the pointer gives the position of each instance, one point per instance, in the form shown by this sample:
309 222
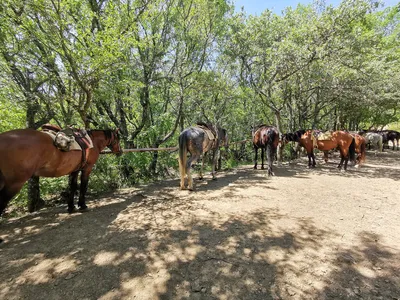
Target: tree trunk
34 202
279 126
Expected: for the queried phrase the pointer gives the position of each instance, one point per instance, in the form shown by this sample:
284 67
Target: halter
113 141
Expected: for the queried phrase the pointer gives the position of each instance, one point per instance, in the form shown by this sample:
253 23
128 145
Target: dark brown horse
198 141
26 152
339 139
266 138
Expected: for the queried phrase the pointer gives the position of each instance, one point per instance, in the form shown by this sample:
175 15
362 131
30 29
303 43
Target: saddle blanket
322 136
209 133
318 135
74 145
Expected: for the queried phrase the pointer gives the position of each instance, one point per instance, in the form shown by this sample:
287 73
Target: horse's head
114 144
287 137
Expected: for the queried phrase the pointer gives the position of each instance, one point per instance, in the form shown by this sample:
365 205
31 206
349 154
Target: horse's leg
341 162
326 156
7 193
203 158
344 157
255 158
309 159
346 160
73 184
191 159
262 157
313 159
84 185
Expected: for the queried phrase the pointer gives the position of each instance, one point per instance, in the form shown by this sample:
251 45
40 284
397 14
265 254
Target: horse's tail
182 154
271 134
352 149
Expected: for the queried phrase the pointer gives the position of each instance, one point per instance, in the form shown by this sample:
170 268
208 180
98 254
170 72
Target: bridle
113 141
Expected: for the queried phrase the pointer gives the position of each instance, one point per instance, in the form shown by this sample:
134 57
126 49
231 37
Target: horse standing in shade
266 138
26 152
391 135
198 140
374 139
360 148
339 139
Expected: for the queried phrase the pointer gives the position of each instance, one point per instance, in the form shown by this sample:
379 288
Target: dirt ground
303 234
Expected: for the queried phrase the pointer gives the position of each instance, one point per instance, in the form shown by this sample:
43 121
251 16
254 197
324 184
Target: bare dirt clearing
304 234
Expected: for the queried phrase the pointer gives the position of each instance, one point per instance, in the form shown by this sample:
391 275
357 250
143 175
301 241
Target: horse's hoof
83 208
1 240
200 178
182 188
262 168
71 210
214 178
191 189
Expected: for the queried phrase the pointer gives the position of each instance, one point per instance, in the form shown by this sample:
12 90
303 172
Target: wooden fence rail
172 149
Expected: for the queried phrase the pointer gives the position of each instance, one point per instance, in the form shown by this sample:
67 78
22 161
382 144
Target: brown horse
266 138
360 148
198 141
26 152
339 139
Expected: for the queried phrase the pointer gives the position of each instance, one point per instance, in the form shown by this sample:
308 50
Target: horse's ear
117 130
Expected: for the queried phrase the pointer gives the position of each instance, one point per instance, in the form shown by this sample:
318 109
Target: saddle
70 139
319 135
209 130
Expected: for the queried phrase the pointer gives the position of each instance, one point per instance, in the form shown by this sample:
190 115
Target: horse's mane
261 125
295 136
208 125
107 132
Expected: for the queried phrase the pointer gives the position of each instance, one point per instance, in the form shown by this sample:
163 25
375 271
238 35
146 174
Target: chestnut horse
266 138
360 148
198 140
340 139
26 152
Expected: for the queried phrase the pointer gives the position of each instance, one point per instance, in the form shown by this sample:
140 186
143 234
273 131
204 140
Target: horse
372 138
296 149
391 135
267 138
387 135
360 148
198 140
339 139
27 152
